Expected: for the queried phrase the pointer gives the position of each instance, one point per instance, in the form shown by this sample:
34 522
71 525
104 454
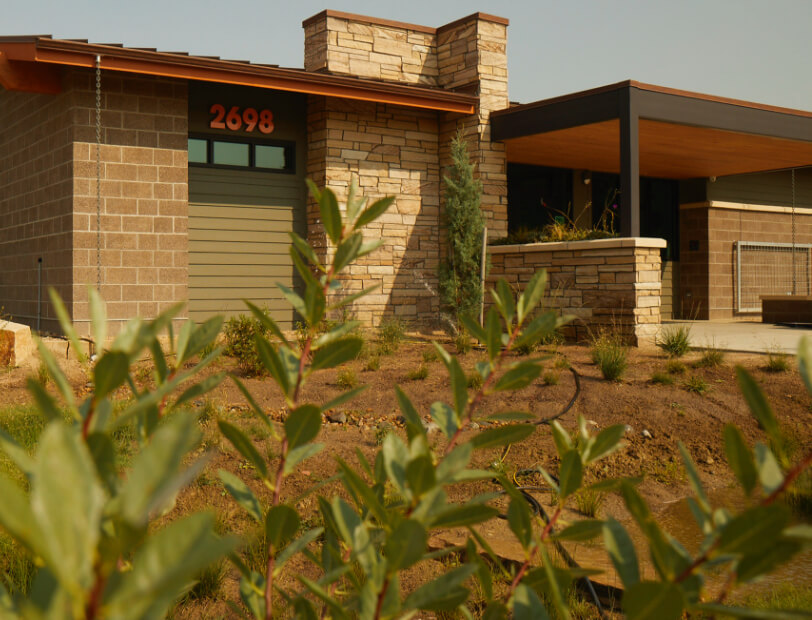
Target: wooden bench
786 309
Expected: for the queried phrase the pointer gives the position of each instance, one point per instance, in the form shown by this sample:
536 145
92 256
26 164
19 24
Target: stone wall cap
391 23
592 244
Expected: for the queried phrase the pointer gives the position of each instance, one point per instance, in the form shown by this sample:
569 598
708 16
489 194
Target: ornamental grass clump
610 355
675 340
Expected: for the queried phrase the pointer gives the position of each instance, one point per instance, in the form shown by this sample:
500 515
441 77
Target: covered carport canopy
634 129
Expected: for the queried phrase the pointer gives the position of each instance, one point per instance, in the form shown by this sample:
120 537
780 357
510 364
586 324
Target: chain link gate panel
767 269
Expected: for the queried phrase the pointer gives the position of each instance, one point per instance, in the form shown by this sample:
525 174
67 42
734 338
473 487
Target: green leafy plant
240 333
391 333
373 363
92 533
697 385
777 360
675 340
662 378
550 378
460 270
674 367
462 343
347 379
418 374
712 357
610 355
429 355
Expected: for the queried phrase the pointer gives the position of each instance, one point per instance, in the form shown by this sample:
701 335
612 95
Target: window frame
288 145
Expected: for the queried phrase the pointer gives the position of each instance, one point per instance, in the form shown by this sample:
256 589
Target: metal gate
767 269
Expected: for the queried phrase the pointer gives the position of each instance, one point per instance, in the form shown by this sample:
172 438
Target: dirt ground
657 418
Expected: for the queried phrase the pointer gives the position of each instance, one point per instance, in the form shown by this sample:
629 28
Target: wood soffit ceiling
667 150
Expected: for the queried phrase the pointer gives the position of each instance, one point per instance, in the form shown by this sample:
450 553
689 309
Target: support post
629 165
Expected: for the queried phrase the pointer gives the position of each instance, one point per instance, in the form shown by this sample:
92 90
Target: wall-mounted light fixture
586 177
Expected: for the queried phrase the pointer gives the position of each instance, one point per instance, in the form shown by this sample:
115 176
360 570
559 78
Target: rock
628 429
336 417
646 434
431 427
474 426
592 423
709 460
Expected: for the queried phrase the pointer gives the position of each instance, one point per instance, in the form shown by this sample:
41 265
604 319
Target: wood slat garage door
239 244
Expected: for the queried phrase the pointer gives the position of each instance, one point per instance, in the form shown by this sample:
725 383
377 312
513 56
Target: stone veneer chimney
467 55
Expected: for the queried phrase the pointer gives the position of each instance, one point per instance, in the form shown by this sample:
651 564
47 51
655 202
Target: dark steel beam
629 164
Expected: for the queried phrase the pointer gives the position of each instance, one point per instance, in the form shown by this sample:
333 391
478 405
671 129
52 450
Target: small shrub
347 379
777 360
609 353
675 340
550 378
527 348
662 378
712 357
697 385
462 342
373 363
674 367
429 355
418 374
589 502
391 333
475 380
239 333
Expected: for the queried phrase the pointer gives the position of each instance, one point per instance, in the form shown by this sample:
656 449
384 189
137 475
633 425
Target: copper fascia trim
391 23
71 53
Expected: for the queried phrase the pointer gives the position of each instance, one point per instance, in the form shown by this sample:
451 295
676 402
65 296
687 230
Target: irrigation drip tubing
538 509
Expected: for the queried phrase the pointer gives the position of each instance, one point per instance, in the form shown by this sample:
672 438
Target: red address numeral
234 120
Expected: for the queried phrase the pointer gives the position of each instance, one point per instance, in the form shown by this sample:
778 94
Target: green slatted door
238 241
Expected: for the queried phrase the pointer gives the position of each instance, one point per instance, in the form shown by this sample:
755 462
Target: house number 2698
235 120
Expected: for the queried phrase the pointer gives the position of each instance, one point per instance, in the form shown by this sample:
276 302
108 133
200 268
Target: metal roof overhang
28 63
679 134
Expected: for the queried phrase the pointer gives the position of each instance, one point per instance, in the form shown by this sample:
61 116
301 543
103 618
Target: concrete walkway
745 336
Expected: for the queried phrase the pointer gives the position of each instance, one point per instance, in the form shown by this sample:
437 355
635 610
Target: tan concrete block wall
144 205
603 284
392 151
35 203
719 229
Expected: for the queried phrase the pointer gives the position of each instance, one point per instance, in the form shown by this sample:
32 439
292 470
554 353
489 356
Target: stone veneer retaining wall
611 283
402 151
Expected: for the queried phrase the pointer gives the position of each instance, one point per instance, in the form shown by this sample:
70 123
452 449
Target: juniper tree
460 286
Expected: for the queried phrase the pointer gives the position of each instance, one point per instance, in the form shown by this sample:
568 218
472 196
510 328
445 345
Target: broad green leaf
164 566
649 600
520 522
501 436
455 462
561 438
17 518
343 398
543 325
758 404
273 362
347 251
519 376
305 249
202 336
348 299
266 321
103 452
281 523
414 425
302 425
805 362
330 215
762 561
66 324
473 328
740 459
693 479
621 551
255 406
59 378
570 474
459 386
503 298
405 545
510 416
297 546
532 295
16 453
200 388
335 334
555 587
606 442
294 299
244 446
420 475
354 204
581 530
67 502
493 333
754 529
364 494
458 516
156 474
395 459
369 246
446 418
336 352
242 494
299 455
769 471
375 210
527 605
98 318
46 405
346 519
336 610
444 593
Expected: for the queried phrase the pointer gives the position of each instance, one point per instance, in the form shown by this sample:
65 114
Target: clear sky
759 50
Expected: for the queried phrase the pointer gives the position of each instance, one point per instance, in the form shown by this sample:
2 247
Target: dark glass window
198 150
269 157
230 153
